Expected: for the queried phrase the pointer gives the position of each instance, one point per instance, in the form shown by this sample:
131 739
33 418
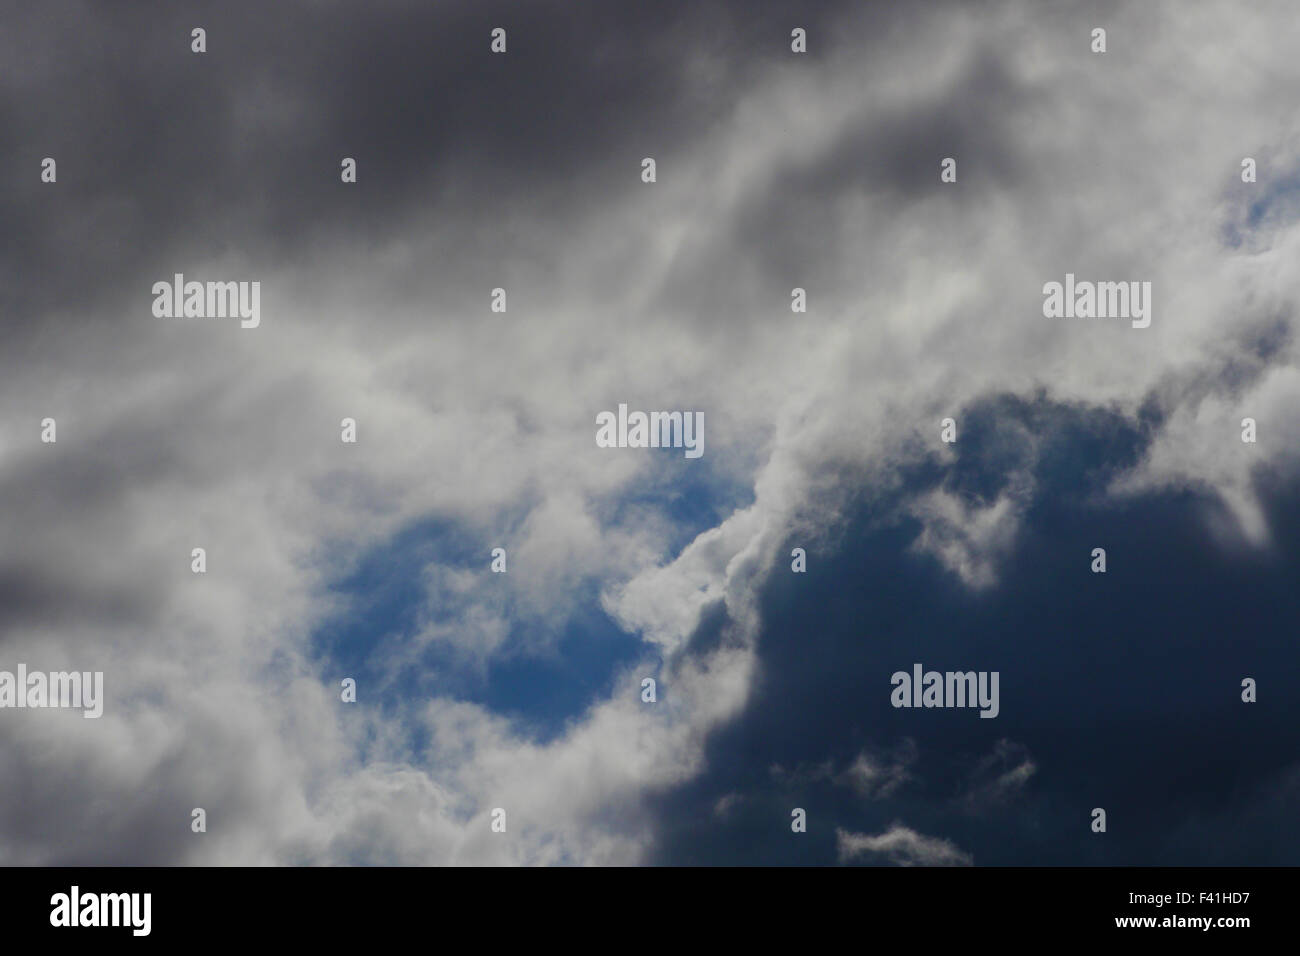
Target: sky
522 691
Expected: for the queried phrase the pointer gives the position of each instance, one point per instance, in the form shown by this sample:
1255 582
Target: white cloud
901 846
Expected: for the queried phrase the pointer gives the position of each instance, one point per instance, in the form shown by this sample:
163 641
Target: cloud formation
901 846
522 172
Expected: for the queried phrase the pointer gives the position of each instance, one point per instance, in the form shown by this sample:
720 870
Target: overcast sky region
475 430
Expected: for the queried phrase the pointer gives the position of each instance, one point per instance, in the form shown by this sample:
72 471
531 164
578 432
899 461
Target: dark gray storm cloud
163 152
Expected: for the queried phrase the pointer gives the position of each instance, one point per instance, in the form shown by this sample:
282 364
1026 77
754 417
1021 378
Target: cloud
522 173
998 777
874 777
967 539
901 846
